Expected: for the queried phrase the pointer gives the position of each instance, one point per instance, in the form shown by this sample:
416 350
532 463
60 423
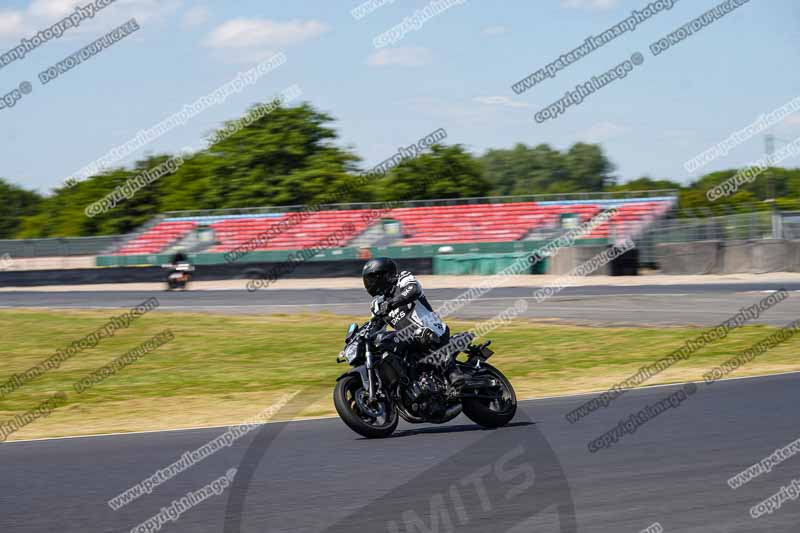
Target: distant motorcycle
179 275
384 385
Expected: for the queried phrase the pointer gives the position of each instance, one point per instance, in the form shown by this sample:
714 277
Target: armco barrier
59 247
86 276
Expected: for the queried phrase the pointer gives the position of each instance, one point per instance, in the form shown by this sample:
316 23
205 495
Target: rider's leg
443 355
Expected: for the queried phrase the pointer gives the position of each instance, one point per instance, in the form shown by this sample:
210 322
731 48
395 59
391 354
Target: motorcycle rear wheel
492 413
374 421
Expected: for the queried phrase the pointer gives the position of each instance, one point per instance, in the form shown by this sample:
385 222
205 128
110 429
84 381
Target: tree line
291 157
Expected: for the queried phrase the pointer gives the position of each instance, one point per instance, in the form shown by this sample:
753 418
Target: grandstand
157 238
464 235
487 220
232 233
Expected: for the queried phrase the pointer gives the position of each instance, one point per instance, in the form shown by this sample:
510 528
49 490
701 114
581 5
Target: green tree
15 204
286 157
290 156
646 184
442 172
523 170
588 168
63 214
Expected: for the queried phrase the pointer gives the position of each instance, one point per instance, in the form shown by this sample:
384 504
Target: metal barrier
790 225
59 247
756 225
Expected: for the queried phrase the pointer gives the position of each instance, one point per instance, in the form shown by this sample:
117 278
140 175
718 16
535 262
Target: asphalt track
536 475
661 305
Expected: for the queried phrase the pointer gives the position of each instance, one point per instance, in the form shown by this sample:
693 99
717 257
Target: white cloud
495 30
11 23
403 57
41 14
250 33
143 10
594 5
502 101
604 131
196 16
51 9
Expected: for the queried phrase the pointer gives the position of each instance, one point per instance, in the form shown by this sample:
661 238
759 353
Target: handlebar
372 325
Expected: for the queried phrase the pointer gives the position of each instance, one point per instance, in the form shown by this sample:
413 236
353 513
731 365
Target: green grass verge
221 369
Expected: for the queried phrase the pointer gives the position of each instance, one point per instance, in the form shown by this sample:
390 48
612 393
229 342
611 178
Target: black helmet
379 275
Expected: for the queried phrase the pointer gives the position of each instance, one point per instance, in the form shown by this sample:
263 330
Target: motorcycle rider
179 267
400 303
179 258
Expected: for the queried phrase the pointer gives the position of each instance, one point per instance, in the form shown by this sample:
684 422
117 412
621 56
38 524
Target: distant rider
180 269
400 303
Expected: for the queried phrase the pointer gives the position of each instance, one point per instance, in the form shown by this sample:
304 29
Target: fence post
777 225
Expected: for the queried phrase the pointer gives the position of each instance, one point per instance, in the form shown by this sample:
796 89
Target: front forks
370 379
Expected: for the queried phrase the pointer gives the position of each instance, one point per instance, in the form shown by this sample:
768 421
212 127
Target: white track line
538 398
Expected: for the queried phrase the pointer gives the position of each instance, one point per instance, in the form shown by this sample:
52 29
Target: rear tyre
373 420
493 413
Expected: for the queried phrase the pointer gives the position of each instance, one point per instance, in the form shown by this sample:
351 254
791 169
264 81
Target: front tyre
492 413
373 420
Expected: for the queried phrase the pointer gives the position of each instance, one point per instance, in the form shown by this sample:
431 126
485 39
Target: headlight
351 352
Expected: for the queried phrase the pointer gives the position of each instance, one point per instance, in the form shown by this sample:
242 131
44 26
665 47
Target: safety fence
755 225
59 247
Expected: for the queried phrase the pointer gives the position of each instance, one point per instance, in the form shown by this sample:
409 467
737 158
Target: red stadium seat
499 222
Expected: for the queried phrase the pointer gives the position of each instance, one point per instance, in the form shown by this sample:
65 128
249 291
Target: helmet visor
375 283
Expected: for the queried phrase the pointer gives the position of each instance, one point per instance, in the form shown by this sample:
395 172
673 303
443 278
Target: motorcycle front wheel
373 420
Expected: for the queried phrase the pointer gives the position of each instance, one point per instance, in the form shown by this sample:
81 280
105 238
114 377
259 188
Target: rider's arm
408 290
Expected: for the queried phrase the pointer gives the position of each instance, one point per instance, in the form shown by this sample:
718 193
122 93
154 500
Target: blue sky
454 72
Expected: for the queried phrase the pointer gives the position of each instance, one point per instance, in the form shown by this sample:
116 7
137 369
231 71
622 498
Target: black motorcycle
179 276
386 384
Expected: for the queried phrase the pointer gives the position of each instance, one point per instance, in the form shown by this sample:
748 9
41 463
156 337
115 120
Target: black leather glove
383 309
380 307
429 338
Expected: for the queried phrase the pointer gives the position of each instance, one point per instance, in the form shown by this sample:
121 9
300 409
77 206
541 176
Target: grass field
222 369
